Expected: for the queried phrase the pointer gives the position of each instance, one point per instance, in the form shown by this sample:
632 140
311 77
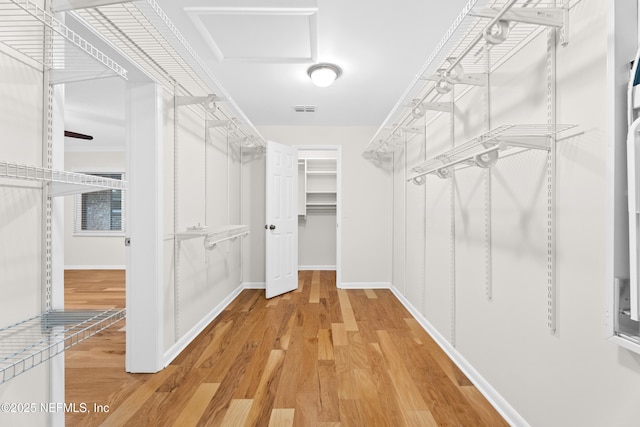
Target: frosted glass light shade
323 75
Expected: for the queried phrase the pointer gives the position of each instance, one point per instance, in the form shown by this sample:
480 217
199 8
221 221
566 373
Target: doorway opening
320 209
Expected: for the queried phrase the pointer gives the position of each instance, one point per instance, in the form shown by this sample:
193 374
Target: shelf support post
452 219
488 249
176 204
551 181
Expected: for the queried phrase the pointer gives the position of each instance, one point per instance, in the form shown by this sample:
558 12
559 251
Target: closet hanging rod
225 232
404 121
211 241
502 138
456 162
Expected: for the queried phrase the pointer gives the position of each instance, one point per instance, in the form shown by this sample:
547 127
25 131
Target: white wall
84 251
202 187
366 200
317 239
201 183
98 109
575 376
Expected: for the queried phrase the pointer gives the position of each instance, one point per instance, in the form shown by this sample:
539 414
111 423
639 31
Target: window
100 212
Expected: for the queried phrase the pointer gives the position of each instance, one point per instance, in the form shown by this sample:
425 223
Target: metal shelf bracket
230 125
471 79
61 76
557 17
209 102
419 109
547 16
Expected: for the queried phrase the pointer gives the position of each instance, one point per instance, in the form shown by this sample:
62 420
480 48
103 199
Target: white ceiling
260 51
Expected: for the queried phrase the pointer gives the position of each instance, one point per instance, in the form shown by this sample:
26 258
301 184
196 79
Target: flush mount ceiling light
323 75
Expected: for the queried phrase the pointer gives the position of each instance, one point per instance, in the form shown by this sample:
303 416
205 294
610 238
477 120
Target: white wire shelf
33 32
31 342
212 238
485 150
61 183
459 59
145 34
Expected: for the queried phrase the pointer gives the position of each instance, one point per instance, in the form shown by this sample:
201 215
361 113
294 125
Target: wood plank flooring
318 356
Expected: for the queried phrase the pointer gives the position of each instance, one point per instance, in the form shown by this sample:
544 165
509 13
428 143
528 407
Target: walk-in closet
319 213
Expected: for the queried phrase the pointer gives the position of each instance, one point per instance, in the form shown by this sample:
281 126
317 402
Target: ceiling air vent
304 108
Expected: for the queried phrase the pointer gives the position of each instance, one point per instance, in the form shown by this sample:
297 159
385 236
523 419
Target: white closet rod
455 162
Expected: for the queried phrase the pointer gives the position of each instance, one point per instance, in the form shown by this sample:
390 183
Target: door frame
338 151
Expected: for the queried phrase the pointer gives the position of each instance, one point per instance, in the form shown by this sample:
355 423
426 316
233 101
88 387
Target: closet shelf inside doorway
62 183
35 33
27 344
484 150
483 37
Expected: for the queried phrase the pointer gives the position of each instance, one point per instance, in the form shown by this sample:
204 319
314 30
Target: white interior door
281 227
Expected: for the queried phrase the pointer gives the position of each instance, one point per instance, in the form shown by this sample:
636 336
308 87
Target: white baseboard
254 285
186 339
316 267
365 285
95 267
491 394
348 285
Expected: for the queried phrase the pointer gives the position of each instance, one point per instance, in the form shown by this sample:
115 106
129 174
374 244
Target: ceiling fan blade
77 135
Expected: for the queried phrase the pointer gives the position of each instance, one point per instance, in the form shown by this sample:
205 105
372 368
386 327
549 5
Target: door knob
272 227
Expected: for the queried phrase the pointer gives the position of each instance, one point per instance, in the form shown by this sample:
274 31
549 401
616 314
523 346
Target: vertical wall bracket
452 202
177 101
488 249
551 182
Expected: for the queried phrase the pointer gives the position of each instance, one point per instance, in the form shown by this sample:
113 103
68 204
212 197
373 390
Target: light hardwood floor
318 356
